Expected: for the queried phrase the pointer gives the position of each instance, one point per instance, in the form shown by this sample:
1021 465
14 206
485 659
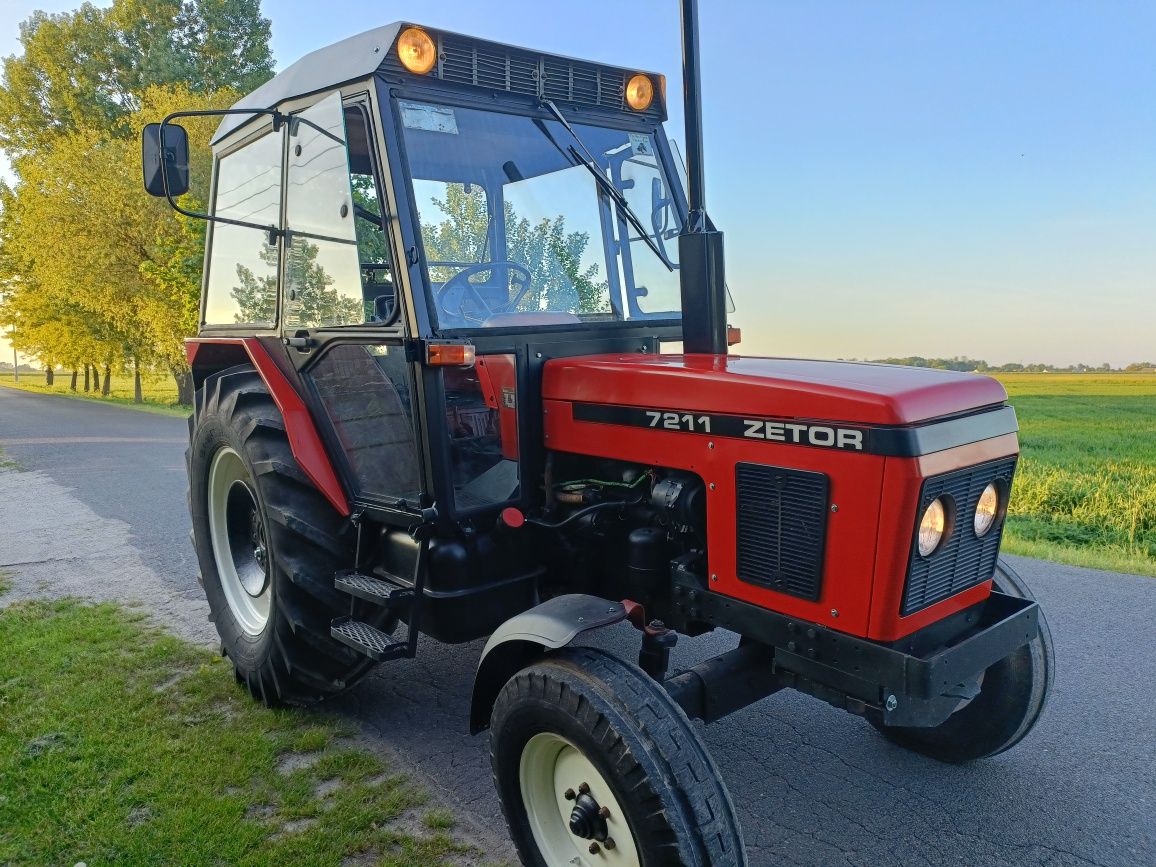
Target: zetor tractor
432 398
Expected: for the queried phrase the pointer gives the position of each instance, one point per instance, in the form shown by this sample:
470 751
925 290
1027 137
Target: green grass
1085 489
121 745
159 393
5 582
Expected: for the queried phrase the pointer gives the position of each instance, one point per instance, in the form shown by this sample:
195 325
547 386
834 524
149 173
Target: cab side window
373 251
241 287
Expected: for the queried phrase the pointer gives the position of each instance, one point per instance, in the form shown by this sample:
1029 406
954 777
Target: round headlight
931 527
986 510
640 92
416 50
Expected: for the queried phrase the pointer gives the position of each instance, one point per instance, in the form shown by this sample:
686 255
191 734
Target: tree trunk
95 379
107 380
87 377
48 375
72 387
184 380
137 397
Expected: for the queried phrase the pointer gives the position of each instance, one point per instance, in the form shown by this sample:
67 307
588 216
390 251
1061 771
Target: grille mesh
963 560
782 527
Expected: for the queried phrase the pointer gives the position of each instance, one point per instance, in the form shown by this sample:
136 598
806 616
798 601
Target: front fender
522 639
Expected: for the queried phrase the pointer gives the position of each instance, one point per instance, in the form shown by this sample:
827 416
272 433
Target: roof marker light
640 92
416 50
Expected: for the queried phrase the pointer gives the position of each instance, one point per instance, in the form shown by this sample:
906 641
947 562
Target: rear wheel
1011 697
596 765
268 545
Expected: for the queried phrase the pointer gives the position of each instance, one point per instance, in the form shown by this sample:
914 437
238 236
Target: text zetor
432 398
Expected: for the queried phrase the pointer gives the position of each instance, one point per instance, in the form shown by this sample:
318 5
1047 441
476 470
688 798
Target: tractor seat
541 317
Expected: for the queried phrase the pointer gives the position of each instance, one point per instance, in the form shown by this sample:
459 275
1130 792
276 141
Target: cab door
341 313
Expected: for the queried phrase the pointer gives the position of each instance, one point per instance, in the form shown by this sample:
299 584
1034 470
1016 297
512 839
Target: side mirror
168 162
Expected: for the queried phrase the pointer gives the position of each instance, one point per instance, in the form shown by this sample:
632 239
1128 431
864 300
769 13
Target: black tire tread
636 723
309 543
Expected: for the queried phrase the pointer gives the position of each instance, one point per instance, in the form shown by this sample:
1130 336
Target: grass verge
1085 489
119 744
160 395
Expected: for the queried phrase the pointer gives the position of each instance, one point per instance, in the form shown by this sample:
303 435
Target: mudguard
525 637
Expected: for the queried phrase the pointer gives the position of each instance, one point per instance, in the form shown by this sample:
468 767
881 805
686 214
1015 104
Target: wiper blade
604 182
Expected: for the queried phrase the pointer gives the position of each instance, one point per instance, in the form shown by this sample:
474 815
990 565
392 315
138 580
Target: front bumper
919 681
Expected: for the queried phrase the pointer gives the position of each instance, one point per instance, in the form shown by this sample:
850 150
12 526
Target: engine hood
853 392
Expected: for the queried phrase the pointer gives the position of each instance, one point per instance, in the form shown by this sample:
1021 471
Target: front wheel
596 765
1011 697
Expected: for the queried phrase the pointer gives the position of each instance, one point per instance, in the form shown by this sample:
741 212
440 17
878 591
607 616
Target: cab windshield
517 230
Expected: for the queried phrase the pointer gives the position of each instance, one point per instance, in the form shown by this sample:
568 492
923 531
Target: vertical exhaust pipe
702 275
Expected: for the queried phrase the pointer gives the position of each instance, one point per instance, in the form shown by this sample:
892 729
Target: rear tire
1010 701
268 545
582 717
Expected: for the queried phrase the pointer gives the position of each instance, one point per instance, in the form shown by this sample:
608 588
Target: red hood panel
780 387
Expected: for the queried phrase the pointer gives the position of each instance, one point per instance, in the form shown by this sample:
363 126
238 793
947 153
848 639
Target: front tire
1011 697
268 545
596 765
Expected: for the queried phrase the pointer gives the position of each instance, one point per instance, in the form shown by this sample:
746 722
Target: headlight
986 510
931 527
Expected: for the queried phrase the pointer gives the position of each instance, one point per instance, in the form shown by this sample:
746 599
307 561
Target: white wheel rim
237 535
551 766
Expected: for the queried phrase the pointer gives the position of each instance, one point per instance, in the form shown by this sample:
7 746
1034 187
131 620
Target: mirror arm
278 119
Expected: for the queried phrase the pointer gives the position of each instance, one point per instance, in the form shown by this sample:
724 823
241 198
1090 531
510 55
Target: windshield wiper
604 182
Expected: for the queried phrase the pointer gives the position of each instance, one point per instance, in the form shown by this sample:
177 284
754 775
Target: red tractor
432 398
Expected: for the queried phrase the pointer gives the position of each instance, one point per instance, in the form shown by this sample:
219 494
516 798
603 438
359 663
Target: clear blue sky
893 178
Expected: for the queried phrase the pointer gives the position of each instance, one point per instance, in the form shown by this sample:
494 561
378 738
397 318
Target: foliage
123 745
92 270
96 270
552 255
89 69
972 365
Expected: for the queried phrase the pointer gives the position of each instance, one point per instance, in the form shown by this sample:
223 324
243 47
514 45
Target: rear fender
208 354
530 635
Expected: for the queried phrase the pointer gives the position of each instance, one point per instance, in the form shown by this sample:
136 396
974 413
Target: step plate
371 589
366 639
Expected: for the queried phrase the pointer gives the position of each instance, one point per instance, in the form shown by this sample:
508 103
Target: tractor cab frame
432 397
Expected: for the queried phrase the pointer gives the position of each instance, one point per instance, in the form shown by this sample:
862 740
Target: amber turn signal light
640 92
416 50
449 354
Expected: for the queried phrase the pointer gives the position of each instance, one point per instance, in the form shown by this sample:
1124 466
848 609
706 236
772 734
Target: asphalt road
814 786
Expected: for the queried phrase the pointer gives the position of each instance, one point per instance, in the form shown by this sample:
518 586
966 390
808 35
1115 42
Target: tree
552 255
90 69
315 301
87 249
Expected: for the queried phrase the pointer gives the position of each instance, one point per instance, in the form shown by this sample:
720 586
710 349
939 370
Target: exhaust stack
702 275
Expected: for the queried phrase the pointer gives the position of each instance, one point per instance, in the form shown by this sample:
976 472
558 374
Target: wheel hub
588 819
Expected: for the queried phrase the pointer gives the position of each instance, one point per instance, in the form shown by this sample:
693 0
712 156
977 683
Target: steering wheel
519 275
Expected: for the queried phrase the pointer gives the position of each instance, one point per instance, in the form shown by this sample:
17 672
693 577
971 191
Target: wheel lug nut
609 843
584 788
604 812
594 850
569 795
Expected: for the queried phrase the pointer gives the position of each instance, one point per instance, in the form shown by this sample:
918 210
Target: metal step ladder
391 592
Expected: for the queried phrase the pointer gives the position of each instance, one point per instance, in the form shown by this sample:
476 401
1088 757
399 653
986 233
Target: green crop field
1085 490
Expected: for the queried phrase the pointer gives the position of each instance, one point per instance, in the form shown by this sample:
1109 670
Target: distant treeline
962 362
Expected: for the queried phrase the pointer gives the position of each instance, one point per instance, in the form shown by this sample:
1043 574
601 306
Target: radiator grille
782 528
963 560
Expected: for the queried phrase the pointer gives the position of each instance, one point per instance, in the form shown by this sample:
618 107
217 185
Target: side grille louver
782 528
